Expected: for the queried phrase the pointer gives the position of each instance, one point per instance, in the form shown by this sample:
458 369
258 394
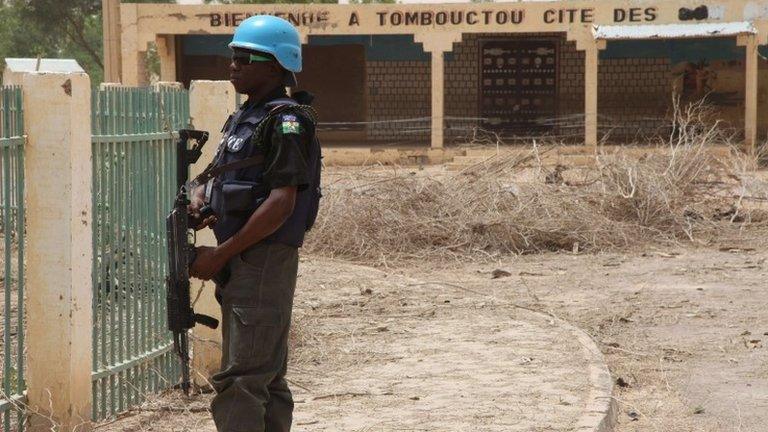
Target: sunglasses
243 59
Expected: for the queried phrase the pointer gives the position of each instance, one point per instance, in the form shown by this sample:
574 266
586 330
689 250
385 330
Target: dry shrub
680 192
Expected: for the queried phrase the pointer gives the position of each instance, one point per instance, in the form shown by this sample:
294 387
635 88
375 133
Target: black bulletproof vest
238 193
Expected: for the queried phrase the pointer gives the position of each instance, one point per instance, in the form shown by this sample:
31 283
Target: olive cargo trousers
256 302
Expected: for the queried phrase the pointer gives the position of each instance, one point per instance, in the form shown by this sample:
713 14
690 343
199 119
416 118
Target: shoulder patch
290 124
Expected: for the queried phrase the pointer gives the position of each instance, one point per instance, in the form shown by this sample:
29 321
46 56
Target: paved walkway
434 357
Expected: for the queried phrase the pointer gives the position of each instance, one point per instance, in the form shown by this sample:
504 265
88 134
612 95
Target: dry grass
682 192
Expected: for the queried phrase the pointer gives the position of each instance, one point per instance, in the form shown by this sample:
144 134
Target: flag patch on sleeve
291 124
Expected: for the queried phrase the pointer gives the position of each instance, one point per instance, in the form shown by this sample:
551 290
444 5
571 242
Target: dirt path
412 356
685 332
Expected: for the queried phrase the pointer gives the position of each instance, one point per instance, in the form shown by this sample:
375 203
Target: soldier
262 209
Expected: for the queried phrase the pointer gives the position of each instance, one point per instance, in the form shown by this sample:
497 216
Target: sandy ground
683 332
410 356
384 352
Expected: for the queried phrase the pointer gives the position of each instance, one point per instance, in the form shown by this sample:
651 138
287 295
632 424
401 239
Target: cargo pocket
242 196
254 333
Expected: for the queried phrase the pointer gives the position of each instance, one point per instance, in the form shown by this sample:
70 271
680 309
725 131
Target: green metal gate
134 170
12 218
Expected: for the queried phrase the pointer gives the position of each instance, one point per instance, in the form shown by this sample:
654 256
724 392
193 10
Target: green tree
16 39
268 1
56 29
68 26
370 1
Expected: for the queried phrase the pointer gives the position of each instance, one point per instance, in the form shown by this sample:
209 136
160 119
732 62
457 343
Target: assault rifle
181 254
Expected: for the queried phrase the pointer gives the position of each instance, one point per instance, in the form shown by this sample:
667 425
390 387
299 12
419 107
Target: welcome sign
480 16
522 16
432 18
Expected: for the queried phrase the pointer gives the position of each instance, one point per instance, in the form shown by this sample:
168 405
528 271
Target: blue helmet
273 35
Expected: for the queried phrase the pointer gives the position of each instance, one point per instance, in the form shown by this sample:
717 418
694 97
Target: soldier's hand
207 263
209 221
198 223
196 199
196 220
195 204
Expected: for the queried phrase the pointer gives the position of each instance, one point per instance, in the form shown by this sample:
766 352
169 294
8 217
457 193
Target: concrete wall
619 80
142 24
210 103
335 74
635 93
461 85
398 90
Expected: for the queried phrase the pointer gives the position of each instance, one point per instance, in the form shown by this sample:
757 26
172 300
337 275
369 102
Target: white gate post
57 173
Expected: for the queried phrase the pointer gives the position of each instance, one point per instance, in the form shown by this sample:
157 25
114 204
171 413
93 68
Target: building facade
577 71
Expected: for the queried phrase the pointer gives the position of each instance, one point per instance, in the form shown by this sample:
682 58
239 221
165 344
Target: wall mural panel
518 84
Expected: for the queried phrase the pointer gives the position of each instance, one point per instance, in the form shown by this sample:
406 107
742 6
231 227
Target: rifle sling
210 173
